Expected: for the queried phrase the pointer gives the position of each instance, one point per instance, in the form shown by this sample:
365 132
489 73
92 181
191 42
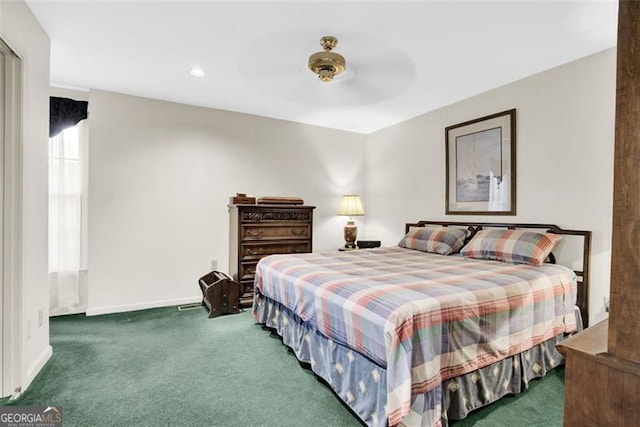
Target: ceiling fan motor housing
327 64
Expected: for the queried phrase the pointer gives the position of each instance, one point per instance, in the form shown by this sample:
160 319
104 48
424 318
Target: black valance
64 113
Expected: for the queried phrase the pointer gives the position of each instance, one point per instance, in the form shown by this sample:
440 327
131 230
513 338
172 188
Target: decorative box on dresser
260 230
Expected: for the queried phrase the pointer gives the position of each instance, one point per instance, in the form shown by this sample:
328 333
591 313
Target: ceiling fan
376 69
327 64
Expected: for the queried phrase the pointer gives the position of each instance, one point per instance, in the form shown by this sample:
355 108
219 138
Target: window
67 200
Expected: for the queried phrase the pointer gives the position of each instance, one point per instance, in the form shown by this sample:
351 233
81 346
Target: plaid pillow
516 246
439 240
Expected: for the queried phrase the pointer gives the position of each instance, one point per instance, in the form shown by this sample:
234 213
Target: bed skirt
362 385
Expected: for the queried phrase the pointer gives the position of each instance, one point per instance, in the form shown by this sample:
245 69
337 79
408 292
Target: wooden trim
624 334
583 275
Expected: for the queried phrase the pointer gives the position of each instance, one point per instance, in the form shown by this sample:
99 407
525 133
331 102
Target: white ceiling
403 58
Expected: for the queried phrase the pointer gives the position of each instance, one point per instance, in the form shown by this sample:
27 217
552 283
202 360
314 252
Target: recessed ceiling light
196 72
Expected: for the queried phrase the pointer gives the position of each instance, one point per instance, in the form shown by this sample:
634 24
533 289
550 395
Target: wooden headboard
576 256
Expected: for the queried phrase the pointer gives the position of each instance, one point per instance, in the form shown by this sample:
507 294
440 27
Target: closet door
10 218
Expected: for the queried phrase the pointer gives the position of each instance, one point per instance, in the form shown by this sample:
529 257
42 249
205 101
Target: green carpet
178 368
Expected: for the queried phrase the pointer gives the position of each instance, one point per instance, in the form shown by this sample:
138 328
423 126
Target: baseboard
140 306
37 366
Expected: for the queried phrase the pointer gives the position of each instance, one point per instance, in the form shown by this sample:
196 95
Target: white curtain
65 216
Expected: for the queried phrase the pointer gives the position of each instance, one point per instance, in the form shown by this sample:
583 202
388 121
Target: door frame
11 215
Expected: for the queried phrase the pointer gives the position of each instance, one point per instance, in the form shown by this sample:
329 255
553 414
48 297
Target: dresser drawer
246 298
255 251
275 215
247 270
258 231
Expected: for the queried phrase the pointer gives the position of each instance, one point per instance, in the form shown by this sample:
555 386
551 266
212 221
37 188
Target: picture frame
481 166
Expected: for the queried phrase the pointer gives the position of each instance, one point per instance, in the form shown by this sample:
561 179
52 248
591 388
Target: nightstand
363 244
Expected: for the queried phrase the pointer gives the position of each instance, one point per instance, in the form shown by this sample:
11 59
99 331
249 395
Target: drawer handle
302 232
256 234
255 252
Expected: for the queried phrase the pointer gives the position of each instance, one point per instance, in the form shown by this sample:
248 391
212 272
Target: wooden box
242 199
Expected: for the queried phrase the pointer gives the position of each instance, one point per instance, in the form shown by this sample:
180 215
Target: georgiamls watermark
30 416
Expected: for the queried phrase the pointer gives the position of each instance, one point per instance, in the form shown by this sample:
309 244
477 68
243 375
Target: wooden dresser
256 231
599 388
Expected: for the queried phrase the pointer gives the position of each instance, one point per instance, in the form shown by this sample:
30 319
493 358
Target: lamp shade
351 206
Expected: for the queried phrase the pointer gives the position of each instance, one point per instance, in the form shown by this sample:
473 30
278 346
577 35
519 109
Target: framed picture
481 166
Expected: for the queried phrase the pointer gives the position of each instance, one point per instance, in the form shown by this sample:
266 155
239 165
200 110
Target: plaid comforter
424 317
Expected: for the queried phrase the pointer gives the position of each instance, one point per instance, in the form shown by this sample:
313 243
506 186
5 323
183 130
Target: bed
423 333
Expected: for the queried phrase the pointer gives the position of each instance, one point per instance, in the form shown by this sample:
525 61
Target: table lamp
350 206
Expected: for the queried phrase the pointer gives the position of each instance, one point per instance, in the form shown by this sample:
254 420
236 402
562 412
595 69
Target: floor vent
193 306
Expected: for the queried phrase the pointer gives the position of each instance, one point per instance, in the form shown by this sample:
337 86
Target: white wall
20 30
160 178
565 135
161 175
